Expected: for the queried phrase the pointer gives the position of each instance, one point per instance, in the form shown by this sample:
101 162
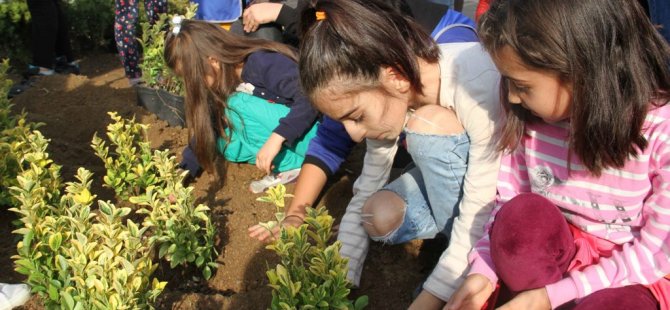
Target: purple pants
532 246
125 21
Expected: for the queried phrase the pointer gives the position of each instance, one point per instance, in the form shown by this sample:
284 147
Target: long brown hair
188 53
616 61
355 40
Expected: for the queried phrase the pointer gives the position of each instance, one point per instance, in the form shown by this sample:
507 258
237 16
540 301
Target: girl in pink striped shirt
582 218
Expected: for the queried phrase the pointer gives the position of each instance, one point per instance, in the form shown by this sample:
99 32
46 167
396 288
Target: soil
73 108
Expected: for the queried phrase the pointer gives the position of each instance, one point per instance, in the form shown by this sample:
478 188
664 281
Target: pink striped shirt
629 206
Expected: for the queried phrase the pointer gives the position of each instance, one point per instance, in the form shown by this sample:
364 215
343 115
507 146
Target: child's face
541 92
373 114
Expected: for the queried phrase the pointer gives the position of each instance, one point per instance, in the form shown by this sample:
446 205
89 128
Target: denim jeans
433 189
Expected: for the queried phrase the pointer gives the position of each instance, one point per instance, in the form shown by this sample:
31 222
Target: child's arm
643 260
477 106
326 152
376 169
310 182
512 180
268 151
279 75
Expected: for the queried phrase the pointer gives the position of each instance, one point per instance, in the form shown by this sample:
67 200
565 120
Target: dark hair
188 53
615 60
355 40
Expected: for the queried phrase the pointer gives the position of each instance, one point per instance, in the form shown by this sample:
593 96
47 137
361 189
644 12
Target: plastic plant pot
164 105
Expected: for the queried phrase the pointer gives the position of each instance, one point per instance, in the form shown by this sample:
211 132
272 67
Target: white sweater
469 86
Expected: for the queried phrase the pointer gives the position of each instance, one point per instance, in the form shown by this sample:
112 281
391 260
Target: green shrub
13 131
79 258
312 274
182 231
155 72
91 24
14 30
74 258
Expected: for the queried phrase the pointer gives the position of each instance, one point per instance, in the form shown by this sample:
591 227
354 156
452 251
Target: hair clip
320 15
176 24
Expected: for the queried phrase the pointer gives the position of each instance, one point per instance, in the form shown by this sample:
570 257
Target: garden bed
74 107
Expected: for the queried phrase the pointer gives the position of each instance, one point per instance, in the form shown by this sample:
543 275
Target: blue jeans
433 189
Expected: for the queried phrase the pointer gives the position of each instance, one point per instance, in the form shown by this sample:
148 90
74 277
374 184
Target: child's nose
513 98
355 132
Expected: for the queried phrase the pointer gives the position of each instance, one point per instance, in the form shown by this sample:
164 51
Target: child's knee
530 234
436 120
383 213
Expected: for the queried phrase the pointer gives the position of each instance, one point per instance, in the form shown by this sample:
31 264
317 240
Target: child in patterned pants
127 15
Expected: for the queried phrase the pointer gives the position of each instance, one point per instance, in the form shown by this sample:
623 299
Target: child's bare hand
472 294
268 152
260 13
531 299
262 234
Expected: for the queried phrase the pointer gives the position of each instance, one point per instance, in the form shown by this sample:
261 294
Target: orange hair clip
320 15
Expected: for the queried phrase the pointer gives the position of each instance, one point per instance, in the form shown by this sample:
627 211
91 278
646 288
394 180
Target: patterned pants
125 35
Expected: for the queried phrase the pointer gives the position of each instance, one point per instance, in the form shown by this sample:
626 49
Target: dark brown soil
74 107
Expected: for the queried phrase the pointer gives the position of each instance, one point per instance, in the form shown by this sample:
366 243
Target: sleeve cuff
561 292
481 267
288 138
311 159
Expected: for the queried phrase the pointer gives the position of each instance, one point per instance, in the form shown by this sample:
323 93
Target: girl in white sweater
382 75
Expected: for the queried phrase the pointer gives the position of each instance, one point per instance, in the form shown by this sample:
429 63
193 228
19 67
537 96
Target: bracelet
293 215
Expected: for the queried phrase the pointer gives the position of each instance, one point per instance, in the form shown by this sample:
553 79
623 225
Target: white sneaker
13 295
285 177
288 176
259 186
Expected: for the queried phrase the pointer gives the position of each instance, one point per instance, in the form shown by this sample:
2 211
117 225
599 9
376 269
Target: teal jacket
253 119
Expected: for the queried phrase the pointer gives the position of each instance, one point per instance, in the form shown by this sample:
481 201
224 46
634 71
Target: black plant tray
166 106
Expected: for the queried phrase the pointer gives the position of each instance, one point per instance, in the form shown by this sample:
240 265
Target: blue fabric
275 77
189 162
218 11
330 146
456 34
433 189
659 11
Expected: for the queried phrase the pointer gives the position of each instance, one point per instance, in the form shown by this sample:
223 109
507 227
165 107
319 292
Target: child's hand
531 299
260 13
472 294
268 152
259 232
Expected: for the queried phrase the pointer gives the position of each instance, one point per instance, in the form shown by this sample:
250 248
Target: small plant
182 231
275 195
13 130
130 168
156 74
74 258
79 258
311 274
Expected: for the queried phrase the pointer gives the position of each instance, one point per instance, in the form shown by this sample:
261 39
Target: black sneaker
19 88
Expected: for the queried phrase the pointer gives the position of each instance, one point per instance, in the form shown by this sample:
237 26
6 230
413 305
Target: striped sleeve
512 180
645 259
376 169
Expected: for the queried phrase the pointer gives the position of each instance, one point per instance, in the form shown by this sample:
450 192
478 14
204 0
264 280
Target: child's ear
214 63
392 80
